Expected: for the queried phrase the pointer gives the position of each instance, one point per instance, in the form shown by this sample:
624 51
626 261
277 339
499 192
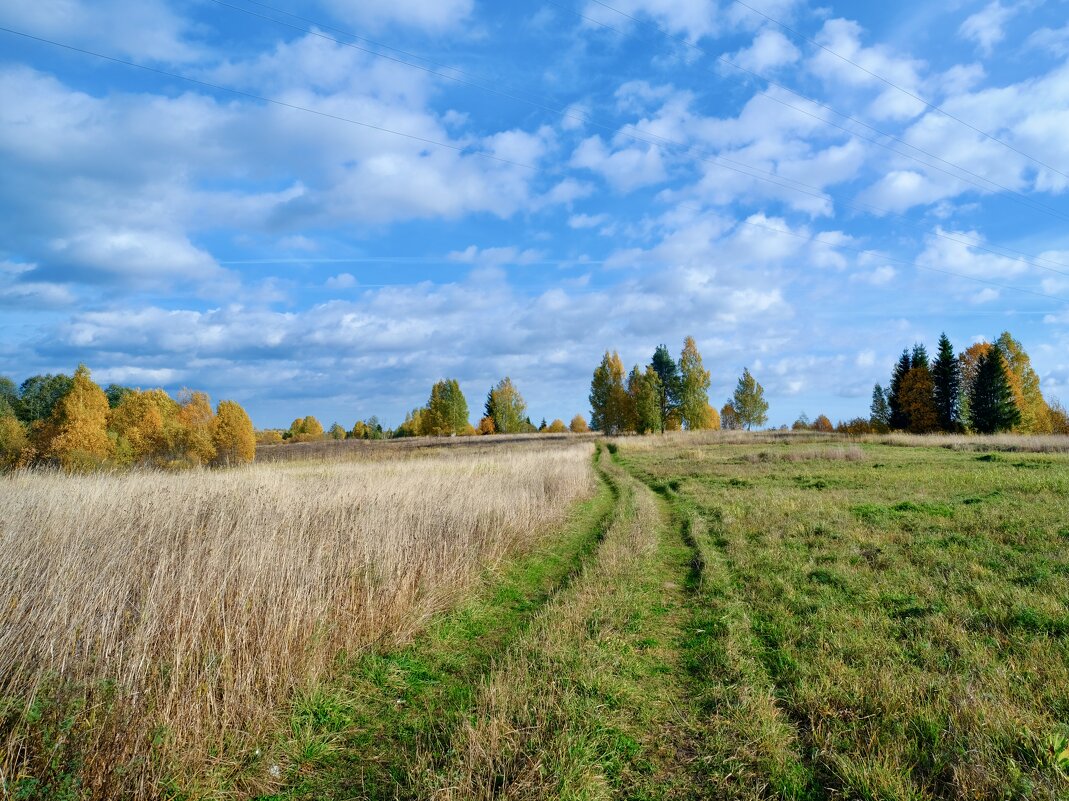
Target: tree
608 398
233 436
712 417
729 420
644 410
919 357
78 428
823 424
486 425
946 376
749 402
335 432
879 411
557 427
145 426
802 423
669 383
917 401
15 450
305 429
693 388
506 407
1059 418
9 397
413 425
447 410
969 361
115 394
195 420
991 404
543 425
578 425
39 395
1024 381
898 421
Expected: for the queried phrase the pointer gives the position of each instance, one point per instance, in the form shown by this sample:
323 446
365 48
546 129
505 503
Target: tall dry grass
151 625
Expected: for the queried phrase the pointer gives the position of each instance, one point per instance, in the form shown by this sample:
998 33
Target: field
723 616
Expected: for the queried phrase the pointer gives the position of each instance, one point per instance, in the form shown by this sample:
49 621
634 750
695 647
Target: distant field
718 616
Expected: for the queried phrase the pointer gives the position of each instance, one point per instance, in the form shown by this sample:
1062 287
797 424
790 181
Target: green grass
890 627
737 622
360 735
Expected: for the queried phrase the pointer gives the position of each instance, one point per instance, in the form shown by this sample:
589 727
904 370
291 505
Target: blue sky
576 176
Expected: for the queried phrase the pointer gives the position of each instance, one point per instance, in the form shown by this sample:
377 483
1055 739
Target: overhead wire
894 85
1024 199
719 160
425 140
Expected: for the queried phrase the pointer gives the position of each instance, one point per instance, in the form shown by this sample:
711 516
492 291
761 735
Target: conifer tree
879 411
1024 382
919 357
668 378
946 376
748 402
898 421
991 404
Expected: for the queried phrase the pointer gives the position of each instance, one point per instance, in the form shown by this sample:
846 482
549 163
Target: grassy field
685 617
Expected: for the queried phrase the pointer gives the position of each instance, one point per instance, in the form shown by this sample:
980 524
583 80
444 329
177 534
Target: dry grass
1019 443
152 624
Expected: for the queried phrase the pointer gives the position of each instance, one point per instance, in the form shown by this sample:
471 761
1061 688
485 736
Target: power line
271 100
337 118
1035 205
901 89
716 160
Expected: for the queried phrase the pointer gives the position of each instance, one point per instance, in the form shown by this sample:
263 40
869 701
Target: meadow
153 624
716 615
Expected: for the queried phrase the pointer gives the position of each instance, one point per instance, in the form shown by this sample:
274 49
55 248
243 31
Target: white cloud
770 49
985 27
587 220
626 169
341 281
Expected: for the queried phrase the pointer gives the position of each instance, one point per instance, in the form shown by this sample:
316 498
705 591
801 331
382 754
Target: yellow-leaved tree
557 427
232 435
15 450
143 424
195 423
578 425
77 432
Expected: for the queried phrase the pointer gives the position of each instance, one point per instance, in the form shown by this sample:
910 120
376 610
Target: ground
771 619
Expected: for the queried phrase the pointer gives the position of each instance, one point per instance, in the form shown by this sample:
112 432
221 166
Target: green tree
447 410
39 395
643 394
898 421
9 396
506 407
919 357
946 376
608 398
336 431
694 388
115 393
668 389
748 402
991 404
879 411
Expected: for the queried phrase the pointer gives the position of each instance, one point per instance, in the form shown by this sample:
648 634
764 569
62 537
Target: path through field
661 650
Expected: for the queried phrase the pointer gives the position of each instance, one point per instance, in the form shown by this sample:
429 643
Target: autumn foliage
83 431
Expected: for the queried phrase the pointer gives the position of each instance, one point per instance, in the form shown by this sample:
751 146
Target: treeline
668 395
72 422
445 414
987 388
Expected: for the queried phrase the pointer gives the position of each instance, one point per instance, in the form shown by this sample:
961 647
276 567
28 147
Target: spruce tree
946 373
879 411
991 404
670 383
898 420
919 357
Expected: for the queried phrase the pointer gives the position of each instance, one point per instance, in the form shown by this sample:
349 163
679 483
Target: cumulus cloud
985 28
770 50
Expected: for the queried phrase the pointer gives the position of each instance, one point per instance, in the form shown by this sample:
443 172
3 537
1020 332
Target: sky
325 207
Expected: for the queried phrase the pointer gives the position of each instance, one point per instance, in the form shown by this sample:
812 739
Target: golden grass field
154 623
